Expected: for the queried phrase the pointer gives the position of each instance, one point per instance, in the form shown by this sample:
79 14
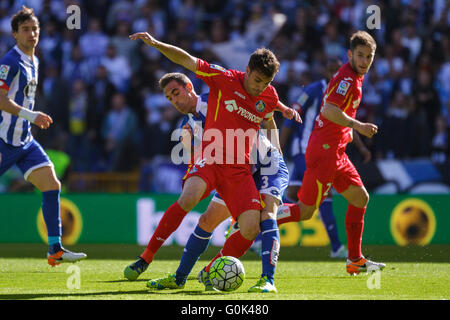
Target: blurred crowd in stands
110 115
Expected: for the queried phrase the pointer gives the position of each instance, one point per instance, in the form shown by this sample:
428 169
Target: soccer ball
227 273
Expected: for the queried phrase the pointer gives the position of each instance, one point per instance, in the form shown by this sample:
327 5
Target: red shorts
234 183
322 173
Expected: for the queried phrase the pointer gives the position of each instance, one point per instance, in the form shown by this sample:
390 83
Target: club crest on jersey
260 106
30 90
343 87
4 70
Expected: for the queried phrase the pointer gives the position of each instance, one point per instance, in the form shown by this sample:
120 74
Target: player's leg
270 245
315 187
39 171
199 240
239 242
243 201
294 212
216 213
193 191
329 221
349 184
45 180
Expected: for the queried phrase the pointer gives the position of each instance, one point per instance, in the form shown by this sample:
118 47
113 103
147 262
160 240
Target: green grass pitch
303 273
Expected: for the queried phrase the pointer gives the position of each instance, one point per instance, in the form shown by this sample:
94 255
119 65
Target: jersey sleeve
273 102
339 89
8 70
211 74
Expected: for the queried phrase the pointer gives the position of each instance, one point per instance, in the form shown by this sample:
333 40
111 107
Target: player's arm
336 115
362 148
272 133
173 53
288 113
40 119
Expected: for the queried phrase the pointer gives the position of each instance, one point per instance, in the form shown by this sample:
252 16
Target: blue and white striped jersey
197 122
19 76
309 102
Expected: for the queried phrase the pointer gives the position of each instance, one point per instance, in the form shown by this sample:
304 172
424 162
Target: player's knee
50 185
187 203
306 212
188 200
361 199
266 214
364 198
58 184
207 222
250 231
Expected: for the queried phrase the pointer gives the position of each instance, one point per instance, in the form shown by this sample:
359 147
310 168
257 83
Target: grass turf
303 273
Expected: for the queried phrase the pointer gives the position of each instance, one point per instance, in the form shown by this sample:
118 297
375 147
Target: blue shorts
28 157
299 170
267 182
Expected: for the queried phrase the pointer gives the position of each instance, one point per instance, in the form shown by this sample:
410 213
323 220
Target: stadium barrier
132 218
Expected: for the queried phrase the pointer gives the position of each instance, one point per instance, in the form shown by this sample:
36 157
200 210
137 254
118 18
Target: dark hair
362 38
22 16
181 78
264 61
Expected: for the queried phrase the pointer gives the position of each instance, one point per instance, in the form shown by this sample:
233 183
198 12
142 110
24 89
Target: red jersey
344 91
233 116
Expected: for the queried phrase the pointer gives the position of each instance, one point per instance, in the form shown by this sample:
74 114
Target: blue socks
328 219
51 213
196 245
270 248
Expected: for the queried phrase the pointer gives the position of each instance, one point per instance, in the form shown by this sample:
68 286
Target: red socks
170 221
235 246
288 212
354 225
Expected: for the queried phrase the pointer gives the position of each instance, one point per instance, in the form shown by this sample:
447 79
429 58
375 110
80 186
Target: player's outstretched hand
293 114
144 36
367 129
289 113
43 120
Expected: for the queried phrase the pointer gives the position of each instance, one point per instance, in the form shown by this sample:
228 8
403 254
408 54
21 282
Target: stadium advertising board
132 218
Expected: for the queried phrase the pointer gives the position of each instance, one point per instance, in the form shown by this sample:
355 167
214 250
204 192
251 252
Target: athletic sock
170 221
54 244
52 218
235 246
288 212
196 245
270 248
354 225
328 219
